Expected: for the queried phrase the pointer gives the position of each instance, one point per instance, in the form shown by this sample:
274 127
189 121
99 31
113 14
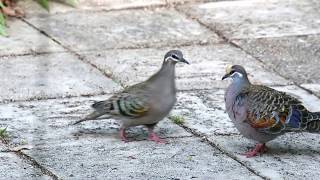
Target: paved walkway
53 66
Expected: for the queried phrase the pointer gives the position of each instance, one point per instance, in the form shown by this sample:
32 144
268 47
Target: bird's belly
245 129
151 118
156 114
249 132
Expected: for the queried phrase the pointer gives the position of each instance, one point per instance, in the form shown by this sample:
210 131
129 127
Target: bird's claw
156 138
259 148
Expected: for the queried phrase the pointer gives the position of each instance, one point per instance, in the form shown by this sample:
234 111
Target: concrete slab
205 72
32 8
182 157
67 151
38 122
285 157
204 112
296 58
258 18
315 88
12 167
48 76
3 148
123 29
23 39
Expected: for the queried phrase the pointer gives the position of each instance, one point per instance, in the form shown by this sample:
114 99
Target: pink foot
155 138
260 148
123 135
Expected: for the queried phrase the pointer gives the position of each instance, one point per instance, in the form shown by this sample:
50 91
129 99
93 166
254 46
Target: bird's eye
174 56
231 72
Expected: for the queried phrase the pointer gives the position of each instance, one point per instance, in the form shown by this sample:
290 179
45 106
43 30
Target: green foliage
44 4
177 119
2 25
2 22
1 4
3 133
71 2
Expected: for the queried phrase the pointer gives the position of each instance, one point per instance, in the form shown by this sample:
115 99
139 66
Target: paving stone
315 88
48 76
204 112
295 57
122 29
12 167
182 157
285 157
3 147
24 39
258 18
205 71
32 8
34 123
67 151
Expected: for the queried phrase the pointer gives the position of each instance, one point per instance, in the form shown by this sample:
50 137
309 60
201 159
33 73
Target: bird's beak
225 76
184 61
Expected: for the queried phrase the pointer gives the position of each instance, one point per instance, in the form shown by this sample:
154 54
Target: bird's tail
313 124
91 116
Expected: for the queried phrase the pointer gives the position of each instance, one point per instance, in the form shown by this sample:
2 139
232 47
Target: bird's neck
238 84
165 77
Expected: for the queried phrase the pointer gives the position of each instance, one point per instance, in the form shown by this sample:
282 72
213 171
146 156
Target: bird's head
174 56
235 72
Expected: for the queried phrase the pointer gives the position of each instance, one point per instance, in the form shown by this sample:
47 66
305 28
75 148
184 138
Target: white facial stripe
237 73
171 58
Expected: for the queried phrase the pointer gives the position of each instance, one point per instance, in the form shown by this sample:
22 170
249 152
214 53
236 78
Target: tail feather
91 116
313 124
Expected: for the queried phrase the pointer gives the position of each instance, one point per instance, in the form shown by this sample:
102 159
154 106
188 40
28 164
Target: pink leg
154 137
123 135
259 148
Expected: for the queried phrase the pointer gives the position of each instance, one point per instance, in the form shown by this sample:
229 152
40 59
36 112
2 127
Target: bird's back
275 112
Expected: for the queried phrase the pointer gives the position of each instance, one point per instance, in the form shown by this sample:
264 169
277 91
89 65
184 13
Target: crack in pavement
35 53
86 61
36 99
229 41
31 53
35 164
230 155
274 69
28 159
79 56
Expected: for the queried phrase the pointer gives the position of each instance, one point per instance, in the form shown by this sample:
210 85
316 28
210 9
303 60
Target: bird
145 103
261 113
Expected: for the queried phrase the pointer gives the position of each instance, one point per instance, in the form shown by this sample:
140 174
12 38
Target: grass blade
71 2
3 31
3 133
2 19
44 4
2 25
1 4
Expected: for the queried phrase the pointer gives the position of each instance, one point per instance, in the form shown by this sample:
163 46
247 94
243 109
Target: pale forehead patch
228 68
